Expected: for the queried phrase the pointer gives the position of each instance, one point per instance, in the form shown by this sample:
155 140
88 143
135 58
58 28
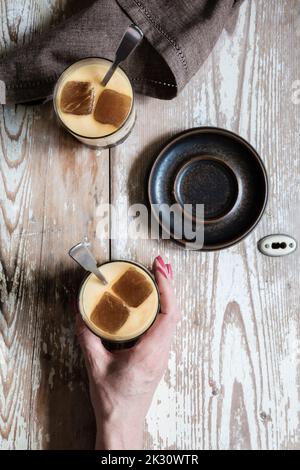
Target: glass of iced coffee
124 309
96 115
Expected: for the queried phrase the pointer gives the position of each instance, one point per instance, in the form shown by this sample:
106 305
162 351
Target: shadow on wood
62 401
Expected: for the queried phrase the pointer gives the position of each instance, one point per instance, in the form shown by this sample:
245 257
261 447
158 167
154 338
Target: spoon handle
82 255
109 73
131 39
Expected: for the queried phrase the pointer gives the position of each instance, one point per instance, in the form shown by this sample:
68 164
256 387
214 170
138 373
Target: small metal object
131 39
277 245
82 255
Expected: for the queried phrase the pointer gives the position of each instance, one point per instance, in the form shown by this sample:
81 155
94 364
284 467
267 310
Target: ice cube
112 108
133 288
77 98
110 313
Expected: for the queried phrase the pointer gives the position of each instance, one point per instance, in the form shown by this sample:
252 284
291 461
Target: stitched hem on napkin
162 41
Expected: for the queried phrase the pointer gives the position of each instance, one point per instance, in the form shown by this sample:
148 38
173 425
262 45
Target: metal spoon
82 255
131 39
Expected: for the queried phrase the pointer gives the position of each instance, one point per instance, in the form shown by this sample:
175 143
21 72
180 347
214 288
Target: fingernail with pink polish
161 271
161 261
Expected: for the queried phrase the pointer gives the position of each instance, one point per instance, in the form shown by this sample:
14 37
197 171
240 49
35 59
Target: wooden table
233 377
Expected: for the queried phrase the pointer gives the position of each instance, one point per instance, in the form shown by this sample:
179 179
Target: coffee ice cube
112 108
110 313
77 98
133 288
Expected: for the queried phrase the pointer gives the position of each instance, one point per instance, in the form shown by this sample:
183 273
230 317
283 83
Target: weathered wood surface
233 378
50 186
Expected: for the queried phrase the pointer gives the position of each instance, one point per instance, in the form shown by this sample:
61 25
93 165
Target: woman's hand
122 383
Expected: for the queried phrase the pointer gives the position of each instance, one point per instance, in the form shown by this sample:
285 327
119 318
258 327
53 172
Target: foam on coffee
135 313
88 78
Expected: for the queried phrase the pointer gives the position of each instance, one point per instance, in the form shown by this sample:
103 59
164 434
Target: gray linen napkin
179 35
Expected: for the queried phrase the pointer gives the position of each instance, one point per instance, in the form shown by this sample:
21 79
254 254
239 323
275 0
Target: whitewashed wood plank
50 187
233 378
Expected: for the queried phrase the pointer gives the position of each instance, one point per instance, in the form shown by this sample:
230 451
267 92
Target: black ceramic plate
219 169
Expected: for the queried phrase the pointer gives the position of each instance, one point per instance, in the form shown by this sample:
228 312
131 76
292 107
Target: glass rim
56 88
129 340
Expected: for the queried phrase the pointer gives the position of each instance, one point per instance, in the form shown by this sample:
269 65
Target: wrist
119 431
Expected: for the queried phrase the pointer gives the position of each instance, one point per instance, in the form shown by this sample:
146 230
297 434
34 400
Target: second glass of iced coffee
124 309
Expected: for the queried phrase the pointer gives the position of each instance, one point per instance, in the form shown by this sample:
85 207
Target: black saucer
217 168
